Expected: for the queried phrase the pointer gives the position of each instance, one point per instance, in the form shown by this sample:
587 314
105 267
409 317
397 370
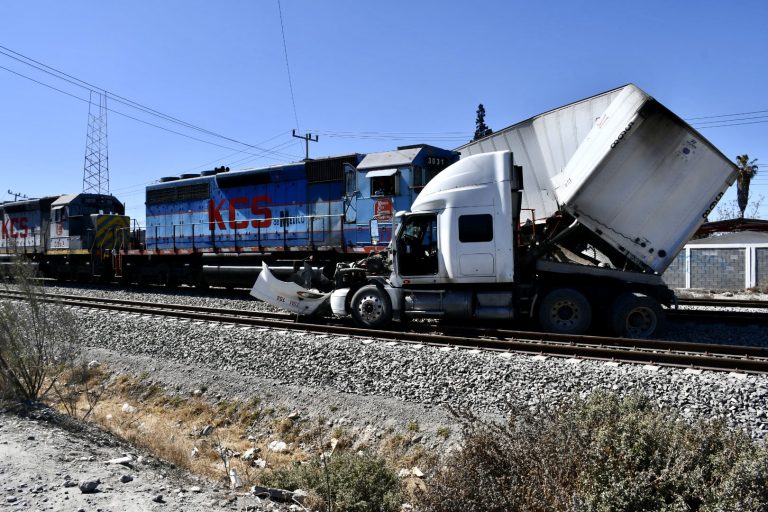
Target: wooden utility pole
306 138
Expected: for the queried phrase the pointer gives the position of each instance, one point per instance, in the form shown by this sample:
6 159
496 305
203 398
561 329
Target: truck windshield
417 246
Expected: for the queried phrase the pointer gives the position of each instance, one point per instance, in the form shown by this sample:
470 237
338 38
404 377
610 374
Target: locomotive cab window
350 180
383 186
59 214
384 182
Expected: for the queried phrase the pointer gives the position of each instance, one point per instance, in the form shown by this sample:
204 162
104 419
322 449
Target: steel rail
155 305
708 316
724 303
654 352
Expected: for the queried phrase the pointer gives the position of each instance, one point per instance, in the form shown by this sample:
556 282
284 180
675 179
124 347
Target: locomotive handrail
178 237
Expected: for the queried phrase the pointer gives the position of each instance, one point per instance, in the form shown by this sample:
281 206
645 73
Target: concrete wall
725 266
675 274
761 264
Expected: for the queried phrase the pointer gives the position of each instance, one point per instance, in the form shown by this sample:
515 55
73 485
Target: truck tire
371 307
565 311
634 315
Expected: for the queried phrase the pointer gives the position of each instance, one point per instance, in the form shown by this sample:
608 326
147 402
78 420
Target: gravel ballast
386 381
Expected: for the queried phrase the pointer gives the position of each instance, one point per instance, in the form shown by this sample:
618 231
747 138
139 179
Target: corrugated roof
396 158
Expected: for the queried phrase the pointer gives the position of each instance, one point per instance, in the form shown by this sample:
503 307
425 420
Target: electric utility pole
306 138
17 195
96 168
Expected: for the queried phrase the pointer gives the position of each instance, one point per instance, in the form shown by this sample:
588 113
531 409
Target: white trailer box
640 177
543 145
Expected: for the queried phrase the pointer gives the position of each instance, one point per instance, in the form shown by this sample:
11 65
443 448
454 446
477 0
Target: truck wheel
636 316
371 307
565 311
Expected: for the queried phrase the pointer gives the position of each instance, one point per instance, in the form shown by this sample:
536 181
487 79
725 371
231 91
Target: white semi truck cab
454 253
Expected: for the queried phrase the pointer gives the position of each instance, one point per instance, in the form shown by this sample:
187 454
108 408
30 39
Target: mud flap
288 296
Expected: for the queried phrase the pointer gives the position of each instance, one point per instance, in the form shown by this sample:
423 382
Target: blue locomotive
217 227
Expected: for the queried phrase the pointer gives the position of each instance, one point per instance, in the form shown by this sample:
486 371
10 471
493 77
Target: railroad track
725 303
697 356
731 316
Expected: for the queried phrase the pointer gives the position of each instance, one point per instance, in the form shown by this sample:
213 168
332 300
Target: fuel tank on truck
622 164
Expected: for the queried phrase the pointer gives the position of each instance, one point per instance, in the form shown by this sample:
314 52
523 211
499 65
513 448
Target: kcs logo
237 203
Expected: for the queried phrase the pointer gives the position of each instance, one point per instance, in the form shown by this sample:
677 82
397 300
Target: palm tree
747 170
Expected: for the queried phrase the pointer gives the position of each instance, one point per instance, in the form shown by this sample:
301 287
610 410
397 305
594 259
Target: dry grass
170 425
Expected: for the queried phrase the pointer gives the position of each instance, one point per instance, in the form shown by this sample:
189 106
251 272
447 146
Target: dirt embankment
44 457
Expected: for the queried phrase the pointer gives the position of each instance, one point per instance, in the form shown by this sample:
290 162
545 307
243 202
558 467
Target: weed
283 425
38 340
604 453
344 482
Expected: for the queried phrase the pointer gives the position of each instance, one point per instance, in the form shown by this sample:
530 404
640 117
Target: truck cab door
476 247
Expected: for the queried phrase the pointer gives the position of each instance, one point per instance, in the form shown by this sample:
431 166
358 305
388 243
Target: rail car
70 236
217 227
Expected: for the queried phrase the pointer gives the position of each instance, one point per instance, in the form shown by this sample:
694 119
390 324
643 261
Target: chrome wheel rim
370 308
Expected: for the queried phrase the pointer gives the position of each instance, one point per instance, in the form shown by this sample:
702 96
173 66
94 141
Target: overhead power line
61 75
726 120
287 66
730 124
264 152
728 115
719 121
372 135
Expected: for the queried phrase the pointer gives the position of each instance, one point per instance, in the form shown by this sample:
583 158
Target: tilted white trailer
621 163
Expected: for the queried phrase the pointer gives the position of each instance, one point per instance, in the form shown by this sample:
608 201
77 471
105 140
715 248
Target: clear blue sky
366 76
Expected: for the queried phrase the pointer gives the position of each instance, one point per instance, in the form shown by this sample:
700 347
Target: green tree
481 129
747 170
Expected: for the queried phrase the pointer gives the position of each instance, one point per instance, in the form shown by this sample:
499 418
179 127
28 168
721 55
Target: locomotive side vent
193 192
328 169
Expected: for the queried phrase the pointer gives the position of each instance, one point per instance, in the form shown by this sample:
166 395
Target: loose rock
89 486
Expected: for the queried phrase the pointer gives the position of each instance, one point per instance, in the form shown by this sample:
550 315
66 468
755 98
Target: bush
602 454
37 340
347 482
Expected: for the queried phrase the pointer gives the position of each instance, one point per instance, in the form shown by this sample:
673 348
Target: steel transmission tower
96 169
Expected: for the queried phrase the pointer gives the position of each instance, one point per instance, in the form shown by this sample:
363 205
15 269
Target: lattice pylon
96 169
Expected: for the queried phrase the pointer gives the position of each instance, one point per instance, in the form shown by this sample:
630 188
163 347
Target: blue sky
366 76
